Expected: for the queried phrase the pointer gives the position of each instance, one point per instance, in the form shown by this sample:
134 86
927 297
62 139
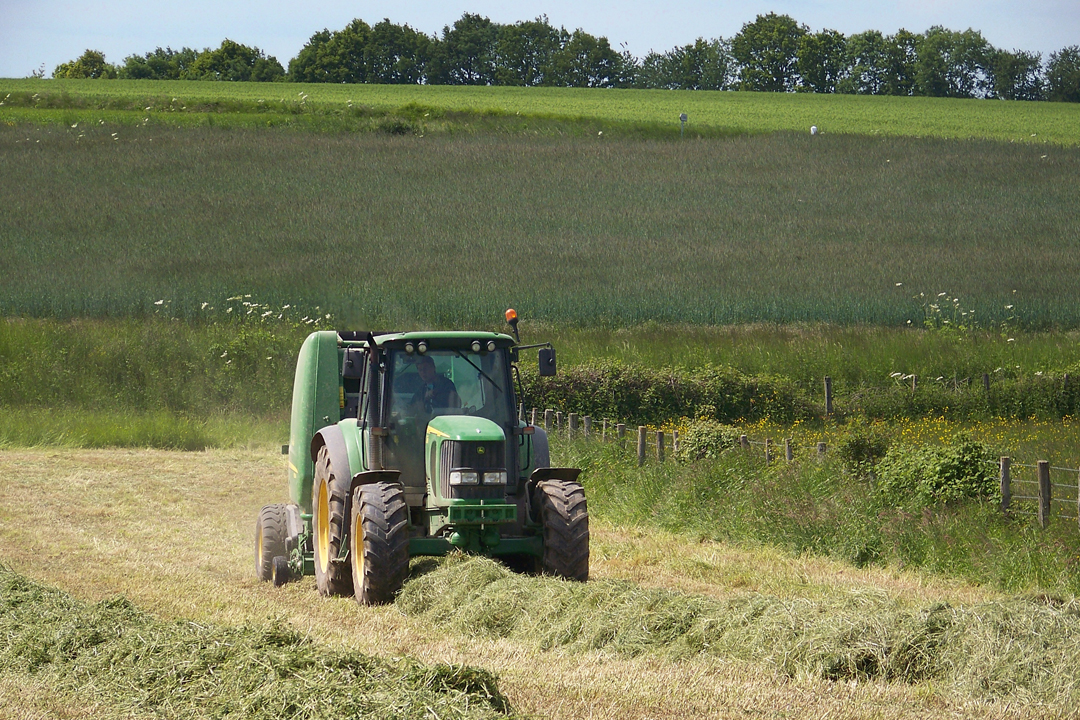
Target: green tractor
406 444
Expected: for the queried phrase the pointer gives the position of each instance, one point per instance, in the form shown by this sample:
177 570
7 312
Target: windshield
449 382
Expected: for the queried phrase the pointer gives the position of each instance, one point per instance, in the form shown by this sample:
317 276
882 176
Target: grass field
443 231
172 532
165 247
1028 122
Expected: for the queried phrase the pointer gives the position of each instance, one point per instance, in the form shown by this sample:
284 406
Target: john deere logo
481 450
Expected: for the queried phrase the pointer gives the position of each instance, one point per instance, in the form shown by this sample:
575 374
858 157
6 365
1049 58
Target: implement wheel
269 539
379 542
330 512
565 517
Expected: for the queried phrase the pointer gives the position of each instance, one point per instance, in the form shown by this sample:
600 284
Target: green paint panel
465 427
316 403
482 514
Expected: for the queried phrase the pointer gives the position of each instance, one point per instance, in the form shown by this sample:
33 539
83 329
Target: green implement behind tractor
407 444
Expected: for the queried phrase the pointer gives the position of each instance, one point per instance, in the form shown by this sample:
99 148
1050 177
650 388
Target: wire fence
1025 489
1031 490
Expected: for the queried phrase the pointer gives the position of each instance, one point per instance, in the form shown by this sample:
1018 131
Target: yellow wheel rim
358 550
322 520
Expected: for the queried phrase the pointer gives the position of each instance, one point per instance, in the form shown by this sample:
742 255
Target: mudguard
342 441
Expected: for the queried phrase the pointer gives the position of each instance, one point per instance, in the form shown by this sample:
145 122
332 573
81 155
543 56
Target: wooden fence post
641 445
828 395
1044 493
787 450
547 419
558 420
620 432
532 419
588 426
912 382
521 411
768 451
675 441
660 446
1006 484
573 424
986 383
744 442
603 431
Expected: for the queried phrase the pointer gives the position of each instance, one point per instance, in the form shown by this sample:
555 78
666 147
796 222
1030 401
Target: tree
867 63
1063 75
336 57
1016 75
766 51
466 55
396 54
236 63
588 61
952 64
901 54
90 65
703 65
524 52
167 64
822 60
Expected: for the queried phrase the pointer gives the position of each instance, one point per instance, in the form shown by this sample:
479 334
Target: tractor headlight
464 477
495 478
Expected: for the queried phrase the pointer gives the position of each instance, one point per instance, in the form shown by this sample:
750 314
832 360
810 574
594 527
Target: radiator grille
457 455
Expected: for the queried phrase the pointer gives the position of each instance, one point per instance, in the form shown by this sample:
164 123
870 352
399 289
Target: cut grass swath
114 657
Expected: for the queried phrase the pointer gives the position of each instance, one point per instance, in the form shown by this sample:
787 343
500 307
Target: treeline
773 53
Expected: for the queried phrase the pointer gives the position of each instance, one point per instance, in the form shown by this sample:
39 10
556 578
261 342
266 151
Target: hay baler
408 444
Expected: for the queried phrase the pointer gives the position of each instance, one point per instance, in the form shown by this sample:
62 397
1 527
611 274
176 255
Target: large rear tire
565 517
329 514
379 542
270 531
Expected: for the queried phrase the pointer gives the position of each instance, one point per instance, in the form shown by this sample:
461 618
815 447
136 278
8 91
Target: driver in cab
436 391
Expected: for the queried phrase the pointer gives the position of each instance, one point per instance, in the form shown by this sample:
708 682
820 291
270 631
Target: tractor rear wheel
329 514
379 542
565 517
269 539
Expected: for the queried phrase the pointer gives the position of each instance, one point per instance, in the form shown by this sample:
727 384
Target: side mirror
547 362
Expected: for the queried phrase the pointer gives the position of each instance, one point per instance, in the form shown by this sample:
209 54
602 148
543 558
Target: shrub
704 438
654 396
862 445
930 475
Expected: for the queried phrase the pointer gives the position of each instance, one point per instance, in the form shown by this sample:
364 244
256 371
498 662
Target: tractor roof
433 337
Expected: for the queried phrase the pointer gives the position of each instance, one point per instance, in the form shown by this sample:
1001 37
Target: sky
45 33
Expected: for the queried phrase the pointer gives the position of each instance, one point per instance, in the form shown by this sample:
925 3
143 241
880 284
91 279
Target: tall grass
226 378
442 231
822 507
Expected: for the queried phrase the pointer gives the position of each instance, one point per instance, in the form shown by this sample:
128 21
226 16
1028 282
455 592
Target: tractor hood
464 427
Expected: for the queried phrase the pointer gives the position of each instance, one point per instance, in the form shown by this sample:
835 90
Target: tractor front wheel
330 512
565 517
270 531
379 542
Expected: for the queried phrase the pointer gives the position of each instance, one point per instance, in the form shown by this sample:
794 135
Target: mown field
754 632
